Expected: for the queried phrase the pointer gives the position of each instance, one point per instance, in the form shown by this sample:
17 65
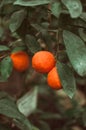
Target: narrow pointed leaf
31 3
76 51
67 79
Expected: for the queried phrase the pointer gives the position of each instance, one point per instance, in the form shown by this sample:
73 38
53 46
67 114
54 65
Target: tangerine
53 79
20 60
43 61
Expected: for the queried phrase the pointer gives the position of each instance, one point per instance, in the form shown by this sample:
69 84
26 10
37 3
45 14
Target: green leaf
4 2
67 79
74 7
17 49
23 124
82 34
32 43
6 67
17 19
56 8
28 103
41 27
7 1
4 48
31 3
83 16
76 51
9 108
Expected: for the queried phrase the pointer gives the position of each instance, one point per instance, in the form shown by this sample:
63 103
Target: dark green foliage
16 20
6 67
32 44
31 3
58 26
74 44
3 48
9 108
74 7
67 79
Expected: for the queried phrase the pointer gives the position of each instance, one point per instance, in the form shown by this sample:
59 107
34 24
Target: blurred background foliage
26 101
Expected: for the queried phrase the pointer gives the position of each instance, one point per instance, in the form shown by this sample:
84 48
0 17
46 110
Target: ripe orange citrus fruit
20 60
53 79
43 61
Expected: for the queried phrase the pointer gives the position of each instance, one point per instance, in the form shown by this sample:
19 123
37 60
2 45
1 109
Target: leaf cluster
58 26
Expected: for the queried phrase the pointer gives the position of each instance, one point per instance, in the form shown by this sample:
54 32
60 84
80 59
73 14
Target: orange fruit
53 79
43 61
20 60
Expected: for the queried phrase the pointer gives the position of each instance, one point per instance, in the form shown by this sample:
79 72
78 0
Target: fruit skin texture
53 79
20 60
43 61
